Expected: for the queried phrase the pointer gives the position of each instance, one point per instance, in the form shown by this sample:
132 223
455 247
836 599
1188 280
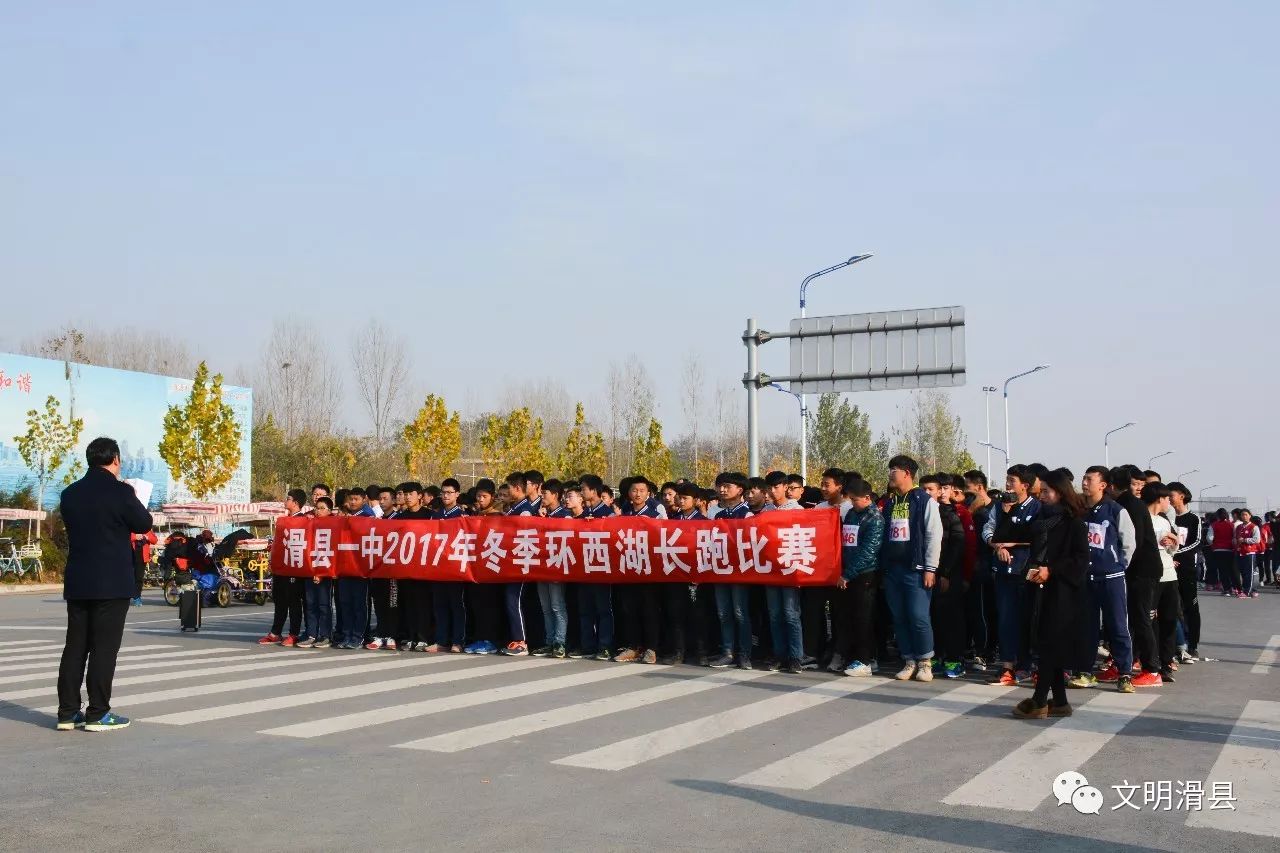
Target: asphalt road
237 747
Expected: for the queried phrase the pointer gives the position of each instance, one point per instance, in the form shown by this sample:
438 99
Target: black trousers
417 612
637 609
287 593
386 606
813 620
1190 596
675 616
852 619
94 631
946 612
1141 594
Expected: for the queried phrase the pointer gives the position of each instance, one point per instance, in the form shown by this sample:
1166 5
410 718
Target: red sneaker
1005 679
1110 675
1136 668
288 642
1148 679
269 640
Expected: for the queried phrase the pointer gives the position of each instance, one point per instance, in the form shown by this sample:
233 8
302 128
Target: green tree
201 443
931 433
332 458
434 439
651 456
513 442
583 451
46 445
840 437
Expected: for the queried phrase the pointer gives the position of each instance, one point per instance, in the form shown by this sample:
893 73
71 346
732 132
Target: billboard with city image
123 404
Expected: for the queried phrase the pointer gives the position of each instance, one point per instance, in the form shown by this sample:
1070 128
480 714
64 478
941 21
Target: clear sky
525 188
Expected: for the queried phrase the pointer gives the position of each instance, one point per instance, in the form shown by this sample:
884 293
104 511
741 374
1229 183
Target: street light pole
1187 473
804 403
1008 445
804 427
1106 442
1153 459
990 447
1200 497
987 391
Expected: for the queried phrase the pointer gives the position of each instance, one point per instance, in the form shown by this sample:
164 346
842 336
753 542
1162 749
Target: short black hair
855 487
756 483
1149 474
1153 492
1038 470
976 476
325 501
485 485
668 485
533 478
592 482
733 478
372 491
340 499
1101 471
411 486
795 480
298 496
1181 489
327 490
553 487
450 483
356 490
387 489
811 497
101 452
775 478
688 490
1022 473
931 479
432 492
836 474
517 478
606 490
904 462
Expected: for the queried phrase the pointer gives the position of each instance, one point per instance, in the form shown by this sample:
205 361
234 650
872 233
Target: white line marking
646 747
530 723
121 662
247 665
201 633
1267 659
1252 770
240 709
1023 779
1233 735
203 616
47 656
376 716
33 627
7 644
811 767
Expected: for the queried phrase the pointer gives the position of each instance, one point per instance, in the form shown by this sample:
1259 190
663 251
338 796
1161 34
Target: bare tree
297 381
381 366
692 399
124 348
547 400
631 403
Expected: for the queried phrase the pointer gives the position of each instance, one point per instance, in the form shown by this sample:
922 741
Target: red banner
787 547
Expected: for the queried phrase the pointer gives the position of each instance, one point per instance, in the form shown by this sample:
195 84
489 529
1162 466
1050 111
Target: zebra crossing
406 702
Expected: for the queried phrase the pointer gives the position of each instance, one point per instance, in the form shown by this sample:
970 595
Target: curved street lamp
1106 442
1007 443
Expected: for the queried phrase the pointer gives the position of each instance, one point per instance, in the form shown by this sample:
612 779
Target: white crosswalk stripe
577 713
1250 760
51 655
129 665
811 767
123 660
25 646
297 700
1267 659
1023 779
250 664
364 719
646 747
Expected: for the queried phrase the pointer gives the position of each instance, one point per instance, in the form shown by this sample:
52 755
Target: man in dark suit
100 513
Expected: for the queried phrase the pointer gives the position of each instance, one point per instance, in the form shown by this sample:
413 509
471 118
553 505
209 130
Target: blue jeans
319 608
353 605
1011 616
784 622
1111 597
733 608
908 601
595 610
555 618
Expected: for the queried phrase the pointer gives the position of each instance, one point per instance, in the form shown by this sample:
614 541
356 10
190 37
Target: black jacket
1146 554
1061 543
951 562
100 513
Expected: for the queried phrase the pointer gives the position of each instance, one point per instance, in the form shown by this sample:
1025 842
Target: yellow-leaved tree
201 443
513 442
652 456
45 446
583 451
332 458
434 439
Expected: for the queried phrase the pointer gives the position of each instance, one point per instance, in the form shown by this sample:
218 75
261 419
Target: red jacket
1245 532
1224 535
970 540
144 541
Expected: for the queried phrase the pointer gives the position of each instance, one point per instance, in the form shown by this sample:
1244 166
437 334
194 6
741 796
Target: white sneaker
924 670
908 670
389 644
836 665
858 669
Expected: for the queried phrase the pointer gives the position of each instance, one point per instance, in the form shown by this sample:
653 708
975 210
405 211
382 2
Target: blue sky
1094 182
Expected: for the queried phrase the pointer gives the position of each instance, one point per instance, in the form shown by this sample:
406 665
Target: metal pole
804 440
753 405
986 404
1007 452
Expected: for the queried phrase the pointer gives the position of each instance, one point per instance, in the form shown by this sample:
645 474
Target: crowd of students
1040 584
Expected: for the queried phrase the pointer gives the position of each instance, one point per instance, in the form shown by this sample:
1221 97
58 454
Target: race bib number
1182 536
899 530
1097 535
849 533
